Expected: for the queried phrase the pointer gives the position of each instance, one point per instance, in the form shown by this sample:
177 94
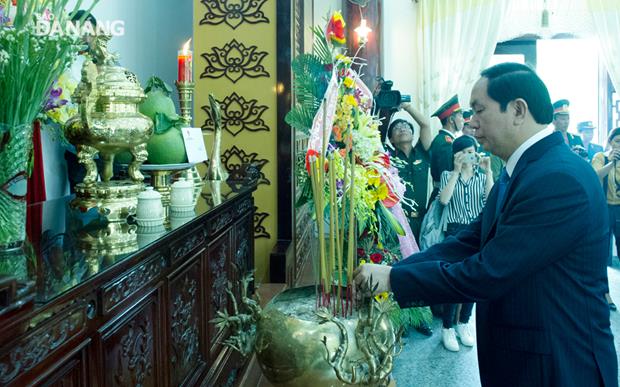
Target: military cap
585 125
448 108
561 107
467 116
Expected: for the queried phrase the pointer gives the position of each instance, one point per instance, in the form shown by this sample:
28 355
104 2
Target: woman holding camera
608 170
463 191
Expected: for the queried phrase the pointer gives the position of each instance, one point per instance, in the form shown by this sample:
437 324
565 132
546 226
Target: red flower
376 257
385 159
309 154
360 252
335 29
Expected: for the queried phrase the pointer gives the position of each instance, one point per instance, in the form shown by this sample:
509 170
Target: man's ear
520 109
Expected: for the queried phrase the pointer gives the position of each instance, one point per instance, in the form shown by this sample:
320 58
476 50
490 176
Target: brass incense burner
108 122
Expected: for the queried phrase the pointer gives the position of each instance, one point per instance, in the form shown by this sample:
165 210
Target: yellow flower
374 180
348 82
382 296
350 100
343 58
362 262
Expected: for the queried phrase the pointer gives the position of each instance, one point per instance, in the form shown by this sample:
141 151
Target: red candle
184 60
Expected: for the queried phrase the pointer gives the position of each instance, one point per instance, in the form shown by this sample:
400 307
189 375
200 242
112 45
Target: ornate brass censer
108 122
297 345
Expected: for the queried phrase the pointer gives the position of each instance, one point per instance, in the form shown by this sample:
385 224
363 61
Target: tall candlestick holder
186 94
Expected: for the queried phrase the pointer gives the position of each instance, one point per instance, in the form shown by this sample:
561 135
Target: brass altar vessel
108 122
297 345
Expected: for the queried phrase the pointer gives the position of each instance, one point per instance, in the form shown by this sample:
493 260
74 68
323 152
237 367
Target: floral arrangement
31 61
348 177
59 107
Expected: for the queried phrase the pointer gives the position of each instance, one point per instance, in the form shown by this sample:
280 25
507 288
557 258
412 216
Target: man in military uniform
451 117
467 129
413 164
561 120
586 130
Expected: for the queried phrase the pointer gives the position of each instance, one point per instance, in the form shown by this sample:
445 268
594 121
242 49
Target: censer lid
117 82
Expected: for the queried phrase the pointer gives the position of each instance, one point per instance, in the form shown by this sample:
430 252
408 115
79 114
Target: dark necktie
502 184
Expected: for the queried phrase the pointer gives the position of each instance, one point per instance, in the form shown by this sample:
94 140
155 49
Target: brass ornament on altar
297 345
108 122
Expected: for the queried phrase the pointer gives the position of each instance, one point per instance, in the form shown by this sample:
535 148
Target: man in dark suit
538 279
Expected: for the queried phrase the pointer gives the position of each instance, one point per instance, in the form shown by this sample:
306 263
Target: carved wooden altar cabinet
130 314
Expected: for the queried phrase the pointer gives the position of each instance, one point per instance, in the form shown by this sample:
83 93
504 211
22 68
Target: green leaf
392 221
164 122
155 83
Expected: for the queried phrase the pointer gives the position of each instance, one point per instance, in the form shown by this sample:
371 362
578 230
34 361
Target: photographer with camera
608 170
463 191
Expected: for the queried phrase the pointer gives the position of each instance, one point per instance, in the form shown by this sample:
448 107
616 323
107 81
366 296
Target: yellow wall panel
235 58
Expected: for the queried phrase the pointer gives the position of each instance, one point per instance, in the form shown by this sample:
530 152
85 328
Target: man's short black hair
509 81
396 122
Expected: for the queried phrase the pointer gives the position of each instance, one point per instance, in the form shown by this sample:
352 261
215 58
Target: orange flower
337 133
335 29
391 199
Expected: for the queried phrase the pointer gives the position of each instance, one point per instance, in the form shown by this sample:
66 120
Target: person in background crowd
561 120
496 163
451 118
537 277
463 191
586 130
413 164
466 128
608 170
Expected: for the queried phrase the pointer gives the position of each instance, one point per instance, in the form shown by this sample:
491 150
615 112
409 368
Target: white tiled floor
425 363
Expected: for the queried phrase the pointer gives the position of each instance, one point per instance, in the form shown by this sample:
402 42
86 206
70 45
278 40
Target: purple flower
55 93
339 187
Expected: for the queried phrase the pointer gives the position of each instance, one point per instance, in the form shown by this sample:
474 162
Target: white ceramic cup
149 205
182 193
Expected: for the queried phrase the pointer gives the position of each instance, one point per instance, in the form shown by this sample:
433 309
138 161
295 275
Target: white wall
398 20
153 33
324 8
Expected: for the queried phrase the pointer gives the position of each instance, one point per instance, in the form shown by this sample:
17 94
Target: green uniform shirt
414 170
441 154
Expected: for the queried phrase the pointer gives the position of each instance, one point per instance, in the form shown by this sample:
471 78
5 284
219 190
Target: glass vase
15 152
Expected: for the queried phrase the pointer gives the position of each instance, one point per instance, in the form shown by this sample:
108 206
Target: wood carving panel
182 248
185 314
131 347
131 281
73 372
220 222
218 258
29 351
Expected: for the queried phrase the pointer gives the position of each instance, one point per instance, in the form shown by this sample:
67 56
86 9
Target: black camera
581 151
387 98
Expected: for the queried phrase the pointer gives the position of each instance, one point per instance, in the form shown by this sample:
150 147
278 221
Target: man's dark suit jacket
537 271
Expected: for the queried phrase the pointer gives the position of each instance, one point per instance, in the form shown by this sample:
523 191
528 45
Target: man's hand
380 278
